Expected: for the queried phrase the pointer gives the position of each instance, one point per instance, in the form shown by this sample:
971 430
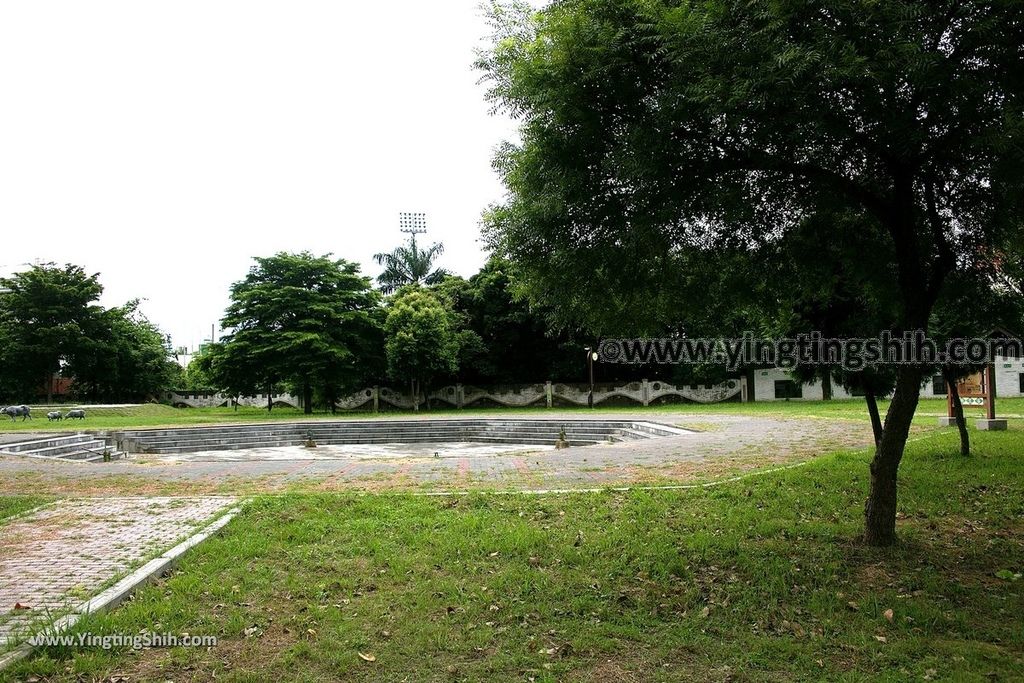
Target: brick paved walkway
62 554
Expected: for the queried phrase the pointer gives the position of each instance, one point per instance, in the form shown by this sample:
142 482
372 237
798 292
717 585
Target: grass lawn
157 415
15 505
760 579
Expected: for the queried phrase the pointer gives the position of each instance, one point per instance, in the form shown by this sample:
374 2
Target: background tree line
315 326
307 324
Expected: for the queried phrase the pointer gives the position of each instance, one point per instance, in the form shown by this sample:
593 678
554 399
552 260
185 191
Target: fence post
458 396
645 392
547 393
376 398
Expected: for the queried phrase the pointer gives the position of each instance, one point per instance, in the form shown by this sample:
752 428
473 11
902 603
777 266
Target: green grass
155 415
761 579
11 506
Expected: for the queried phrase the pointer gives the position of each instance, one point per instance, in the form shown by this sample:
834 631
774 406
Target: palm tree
409 265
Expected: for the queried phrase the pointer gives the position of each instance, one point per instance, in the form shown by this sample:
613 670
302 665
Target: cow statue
54 415
75 415
14 411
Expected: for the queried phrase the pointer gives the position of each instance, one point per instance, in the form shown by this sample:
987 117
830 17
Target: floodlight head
413 223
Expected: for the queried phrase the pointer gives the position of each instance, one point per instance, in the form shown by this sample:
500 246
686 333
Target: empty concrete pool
345 439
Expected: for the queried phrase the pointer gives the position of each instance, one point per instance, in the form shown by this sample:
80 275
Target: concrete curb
116 594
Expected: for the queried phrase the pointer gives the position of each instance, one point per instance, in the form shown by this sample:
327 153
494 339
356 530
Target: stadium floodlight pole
413 223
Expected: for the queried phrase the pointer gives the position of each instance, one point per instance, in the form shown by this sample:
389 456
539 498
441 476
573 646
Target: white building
775 384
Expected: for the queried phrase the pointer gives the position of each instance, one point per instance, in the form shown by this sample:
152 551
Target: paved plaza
54 558
719 443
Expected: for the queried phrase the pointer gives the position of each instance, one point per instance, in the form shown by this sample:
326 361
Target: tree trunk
876 421
826 385
958 409
880 508
307 397
270 400
49 388
415 398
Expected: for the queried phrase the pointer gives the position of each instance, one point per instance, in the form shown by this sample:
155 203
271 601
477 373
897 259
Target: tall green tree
196 375
654 128
409 264
47 313
511 340
301 319
122 356
422 340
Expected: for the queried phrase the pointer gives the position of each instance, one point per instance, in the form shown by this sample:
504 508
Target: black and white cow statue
15 411
75 415
54 415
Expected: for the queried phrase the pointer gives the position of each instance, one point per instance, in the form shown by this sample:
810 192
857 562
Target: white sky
164 144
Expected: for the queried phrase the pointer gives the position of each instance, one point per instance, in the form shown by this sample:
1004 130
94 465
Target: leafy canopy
422 341
654 131
297 318
409 264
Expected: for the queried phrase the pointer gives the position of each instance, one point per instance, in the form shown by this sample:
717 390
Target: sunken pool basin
383 438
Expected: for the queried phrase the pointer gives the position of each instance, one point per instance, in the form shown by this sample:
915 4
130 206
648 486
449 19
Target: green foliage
656 132
44 317
50 323
408 264
124 357
422 340
505 340
299 319
197 374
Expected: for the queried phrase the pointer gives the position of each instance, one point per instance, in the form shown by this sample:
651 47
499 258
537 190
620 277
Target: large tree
298 318
47 314
422 340
507 340
122 356
652 128
51 323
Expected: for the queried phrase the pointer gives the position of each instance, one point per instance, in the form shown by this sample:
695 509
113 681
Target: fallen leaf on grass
367 657
888 614
881 639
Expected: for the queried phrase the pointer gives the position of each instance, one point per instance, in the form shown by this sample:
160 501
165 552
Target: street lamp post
591 357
